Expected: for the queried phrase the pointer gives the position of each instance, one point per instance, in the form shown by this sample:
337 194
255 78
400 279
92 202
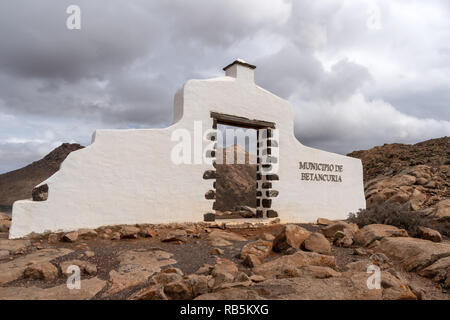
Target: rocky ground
212 261
416 175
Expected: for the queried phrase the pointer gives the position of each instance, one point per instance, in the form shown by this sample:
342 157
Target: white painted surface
127 176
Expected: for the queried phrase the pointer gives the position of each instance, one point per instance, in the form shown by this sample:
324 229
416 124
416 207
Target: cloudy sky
358 73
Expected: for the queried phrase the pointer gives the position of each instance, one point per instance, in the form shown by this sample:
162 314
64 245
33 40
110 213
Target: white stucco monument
131 177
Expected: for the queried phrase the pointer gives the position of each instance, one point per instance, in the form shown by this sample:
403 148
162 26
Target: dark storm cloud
123 66
299 72
428 103
36 43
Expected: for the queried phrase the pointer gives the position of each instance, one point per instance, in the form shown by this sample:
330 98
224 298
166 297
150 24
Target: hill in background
391 159
417 176
236 181
18 184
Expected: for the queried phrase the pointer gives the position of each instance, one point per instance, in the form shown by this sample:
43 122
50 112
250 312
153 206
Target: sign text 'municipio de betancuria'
322 172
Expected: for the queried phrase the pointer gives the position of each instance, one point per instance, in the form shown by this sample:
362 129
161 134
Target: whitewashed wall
127 176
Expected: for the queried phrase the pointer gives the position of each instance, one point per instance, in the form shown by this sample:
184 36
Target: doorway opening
236 167
244 160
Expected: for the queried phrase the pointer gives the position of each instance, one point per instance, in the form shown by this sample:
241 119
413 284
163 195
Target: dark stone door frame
264 191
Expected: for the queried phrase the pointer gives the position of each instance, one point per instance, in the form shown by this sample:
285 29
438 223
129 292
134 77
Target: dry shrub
399 216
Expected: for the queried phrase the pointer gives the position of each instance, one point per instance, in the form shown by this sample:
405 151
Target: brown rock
417 199
165 278
348 286
205 269
317 272
5 225
53 238
300 258
136 266
230 294
325 222
351 286
443 209
421 181
431 184
129 232
175 235
155 292
40 193
251 261
400 196
429 234
88 289
198 284
379 194
115 236
220 279
259 249
234 284
173 270
268 237
242 277
373 232
105 236
330 230
225 235
437 270
246 211
85 267
14 269
41 271
341 233
257 278
70 237
358 266
107 230
220 243
418 291
178 290
89 254
224 272
379 258
403 180
87 234
317 242
373 245
292 236
395 289
413 254
148 232
360 252
344 238
224 266
216 251
4 254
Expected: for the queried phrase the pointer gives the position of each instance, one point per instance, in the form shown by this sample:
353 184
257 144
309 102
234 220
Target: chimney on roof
240 70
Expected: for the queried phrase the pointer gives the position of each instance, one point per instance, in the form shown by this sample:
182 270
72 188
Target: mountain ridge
18 184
